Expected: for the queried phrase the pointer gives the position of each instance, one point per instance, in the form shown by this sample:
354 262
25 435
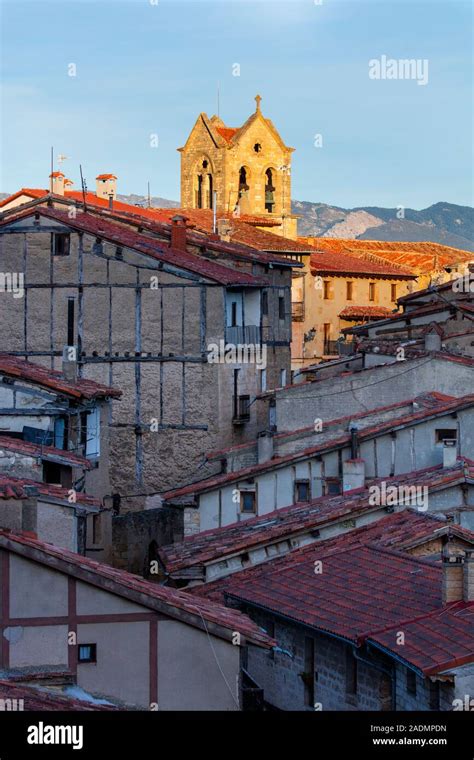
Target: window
411 682
70 321
281 307
265 303
327 290
446 434
269 192
371 291
87 653
243 408
351 672
60 243
308 675
393 292
257 148
349 291
302 491
263 380
282 378
96 529
57 474
233 317
333 486
248 502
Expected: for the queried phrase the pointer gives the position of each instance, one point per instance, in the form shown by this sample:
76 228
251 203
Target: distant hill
444 223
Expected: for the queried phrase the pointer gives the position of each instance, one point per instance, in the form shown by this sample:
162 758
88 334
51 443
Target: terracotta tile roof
402 316
12 366
295 519
436 639
144 592
226 132
439 641
364 312
36 699
420 258
106 176
328 262
19 488
364 434
362 589
49 453
56 174
119 234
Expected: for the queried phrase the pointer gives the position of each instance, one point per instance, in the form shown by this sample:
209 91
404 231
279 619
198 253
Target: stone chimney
353 474
106 186
69 364
224 229
452 578
450 452
178 232
68 183
29 513
264 446
56 183
433 338
468 576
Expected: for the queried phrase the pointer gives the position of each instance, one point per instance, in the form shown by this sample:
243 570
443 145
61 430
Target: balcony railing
241 410
297 311
331 348
249 335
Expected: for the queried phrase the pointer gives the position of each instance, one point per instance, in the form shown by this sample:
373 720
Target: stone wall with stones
136 535
150 342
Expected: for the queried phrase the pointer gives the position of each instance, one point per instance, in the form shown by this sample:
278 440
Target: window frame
92 658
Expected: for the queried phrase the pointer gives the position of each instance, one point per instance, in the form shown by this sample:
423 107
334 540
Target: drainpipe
391 673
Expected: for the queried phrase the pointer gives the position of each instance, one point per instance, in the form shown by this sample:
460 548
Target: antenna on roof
84 188
51 172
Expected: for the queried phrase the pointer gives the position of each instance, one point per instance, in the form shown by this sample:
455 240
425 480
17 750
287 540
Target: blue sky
147 67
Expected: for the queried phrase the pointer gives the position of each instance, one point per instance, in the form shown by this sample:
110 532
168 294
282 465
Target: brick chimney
450 452
353 474
468 576
224 229
265 446
178 232
56 183
106 186
452 579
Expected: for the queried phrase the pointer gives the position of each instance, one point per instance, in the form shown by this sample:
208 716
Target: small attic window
257 148
205 164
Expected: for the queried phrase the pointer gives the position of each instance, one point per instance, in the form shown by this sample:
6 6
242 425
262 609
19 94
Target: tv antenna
84 188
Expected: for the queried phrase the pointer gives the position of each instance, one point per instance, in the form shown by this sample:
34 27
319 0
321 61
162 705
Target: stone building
362 621
144 314
244 170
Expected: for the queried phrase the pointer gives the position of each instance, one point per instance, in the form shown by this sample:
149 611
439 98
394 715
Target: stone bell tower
244 171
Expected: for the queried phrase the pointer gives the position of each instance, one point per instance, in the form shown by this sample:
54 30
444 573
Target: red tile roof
439 641
37 450
366 591
144 592
365 312
19 488
106 176
361 590
322 262
119 234
296 519
342 440
12 366
226 132
39 699
420 258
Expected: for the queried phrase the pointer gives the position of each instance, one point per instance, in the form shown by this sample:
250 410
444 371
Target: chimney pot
178 233
106 186
450 452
